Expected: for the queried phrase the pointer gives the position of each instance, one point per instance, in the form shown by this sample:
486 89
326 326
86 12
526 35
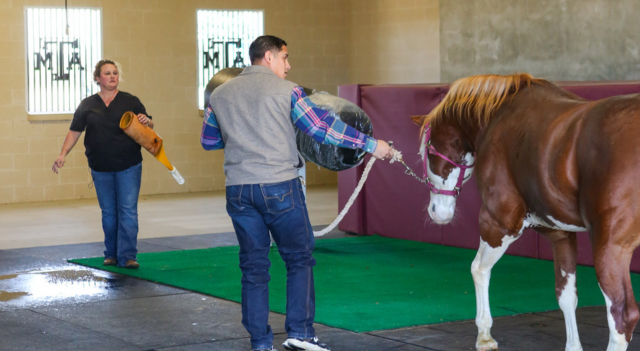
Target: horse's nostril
433 208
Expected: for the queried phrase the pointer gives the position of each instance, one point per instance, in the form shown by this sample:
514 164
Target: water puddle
54 284
69 276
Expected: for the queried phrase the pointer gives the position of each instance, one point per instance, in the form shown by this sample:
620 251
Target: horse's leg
493 245
481 271
564 258
612 268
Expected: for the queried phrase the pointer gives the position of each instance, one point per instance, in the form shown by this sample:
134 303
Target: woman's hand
143 118
58 163
69 142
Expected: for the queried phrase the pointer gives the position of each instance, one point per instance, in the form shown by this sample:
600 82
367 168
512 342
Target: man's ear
419 120
268 57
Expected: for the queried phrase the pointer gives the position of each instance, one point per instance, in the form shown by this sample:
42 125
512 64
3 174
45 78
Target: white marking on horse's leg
617 341
566 227
568 302
481 267
536 221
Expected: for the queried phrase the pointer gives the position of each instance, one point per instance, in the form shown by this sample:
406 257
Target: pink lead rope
429 149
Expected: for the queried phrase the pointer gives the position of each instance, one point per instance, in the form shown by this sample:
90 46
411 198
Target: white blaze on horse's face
442 207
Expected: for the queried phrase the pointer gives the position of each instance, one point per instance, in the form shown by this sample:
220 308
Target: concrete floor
49 304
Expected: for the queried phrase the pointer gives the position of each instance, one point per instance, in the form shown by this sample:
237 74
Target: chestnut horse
549 160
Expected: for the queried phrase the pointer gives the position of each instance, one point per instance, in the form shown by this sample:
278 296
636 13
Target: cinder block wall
394 41
557 40
155 40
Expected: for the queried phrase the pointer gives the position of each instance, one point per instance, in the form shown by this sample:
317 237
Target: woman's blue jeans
280 208
118 198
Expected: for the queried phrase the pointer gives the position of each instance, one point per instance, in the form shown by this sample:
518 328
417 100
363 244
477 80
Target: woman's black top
108 149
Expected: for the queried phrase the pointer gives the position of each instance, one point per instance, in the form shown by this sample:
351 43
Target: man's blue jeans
118 198
280 208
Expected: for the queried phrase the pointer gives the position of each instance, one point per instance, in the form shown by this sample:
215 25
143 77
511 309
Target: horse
545 159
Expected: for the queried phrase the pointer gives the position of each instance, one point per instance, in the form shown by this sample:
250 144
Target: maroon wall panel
353 221
395 202
600 90
585 256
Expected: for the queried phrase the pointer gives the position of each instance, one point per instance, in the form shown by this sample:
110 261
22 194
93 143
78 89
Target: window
59 63
224 37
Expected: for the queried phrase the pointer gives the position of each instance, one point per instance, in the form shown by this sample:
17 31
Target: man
253 117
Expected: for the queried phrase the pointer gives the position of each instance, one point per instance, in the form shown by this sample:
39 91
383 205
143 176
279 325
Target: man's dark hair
262 44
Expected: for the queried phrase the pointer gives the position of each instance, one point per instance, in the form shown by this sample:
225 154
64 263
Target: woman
115 161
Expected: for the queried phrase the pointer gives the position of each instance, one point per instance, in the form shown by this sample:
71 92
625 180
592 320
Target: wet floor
45 287
71 282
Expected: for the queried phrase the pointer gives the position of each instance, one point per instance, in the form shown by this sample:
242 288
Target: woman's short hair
96 72
262 44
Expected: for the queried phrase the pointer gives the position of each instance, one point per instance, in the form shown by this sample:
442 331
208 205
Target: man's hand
382 151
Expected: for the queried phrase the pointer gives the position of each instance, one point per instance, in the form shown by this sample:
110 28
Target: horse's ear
419 120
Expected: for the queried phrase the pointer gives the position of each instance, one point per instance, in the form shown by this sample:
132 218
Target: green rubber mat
374 283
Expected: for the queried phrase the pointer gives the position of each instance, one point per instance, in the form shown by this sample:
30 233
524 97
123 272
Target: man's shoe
301 344
131 264
110 262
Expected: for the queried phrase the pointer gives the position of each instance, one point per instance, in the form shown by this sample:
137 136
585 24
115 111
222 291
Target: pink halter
429 149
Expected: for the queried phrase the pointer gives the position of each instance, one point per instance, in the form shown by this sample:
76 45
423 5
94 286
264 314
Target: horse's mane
475 99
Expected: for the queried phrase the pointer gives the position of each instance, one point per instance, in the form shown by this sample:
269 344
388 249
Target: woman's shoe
131 264
110 262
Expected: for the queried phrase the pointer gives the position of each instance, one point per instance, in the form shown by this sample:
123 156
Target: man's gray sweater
254 115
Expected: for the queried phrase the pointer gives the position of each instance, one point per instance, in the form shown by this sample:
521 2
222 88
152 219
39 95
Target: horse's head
449 133
448 162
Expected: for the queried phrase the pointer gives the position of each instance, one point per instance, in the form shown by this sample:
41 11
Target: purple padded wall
353 221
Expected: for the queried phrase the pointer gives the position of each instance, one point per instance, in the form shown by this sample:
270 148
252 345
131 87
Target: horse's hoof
487 345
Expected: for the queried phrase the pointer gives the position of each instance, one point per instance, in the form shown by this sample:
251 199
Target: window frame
89 66
199 54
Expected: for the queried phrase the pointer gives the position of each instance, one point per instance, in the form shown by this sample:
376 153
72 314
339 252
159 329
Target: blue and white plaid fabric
323 127
313 121
210 138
